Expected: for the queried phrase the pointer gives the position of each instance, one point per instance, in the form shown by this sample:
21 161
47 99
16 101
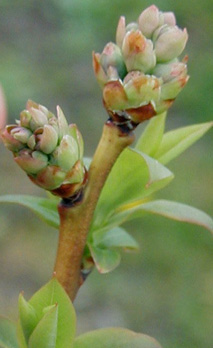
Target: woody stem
75 220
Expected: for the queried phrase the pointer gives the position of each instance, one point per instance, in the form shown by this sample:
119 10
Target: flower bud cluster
141 74
48 149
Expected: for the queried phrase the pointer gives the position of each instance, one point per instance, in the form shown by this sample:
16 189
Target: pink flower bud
121 31
169 18
149 20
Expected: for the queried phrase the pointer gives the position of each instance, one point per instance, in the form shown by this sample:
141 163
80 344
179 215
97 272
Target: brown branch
75 220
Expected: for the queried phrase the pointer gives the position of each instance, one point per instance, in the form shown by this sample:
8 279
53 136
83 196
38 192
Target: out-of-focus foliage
166 290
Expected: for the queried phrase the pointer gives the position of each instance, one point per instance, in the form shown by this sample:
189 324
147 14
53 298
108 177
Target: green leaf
45 334
27 316
103 244
115 338
8 334
134 176
44 208
177 141
51 294
20 336
152 135
169 209
105 259
115 238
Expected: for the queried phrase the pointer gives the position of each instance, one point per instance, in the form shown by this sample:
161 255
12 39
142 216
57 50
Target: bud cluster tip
48 149
141 74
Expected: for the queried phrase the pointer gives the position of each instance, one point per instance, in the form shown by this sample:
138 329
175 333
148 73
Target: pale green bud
74 132
170 71
174 76
31 162
138 52
170 42
131 26
22 134
67 153
150 83
114 96
169 18
163 105
39 119
112 57
52 121
76 175
49 178
48 149
164 70
112 74
31 143
141 89
48 139
31 104
171 89
25 118
149 20
63 127
100 74
121 31
9 141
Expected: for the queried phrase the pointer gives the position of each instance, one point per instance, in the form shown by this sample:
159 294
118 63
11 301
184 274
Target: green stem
75 221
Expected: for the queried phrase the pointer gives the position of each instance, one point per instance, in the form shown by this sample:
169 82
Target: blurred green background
166 290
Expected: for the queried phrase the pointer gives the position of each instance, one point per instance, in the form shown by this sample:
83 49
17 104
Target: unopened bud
47 149
141 74
25 118
121 31
10 142
39 119
149 20
31 162
169 18
112 57
114 96
21 134
169 42
138 52
141 89
67 153
48 139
